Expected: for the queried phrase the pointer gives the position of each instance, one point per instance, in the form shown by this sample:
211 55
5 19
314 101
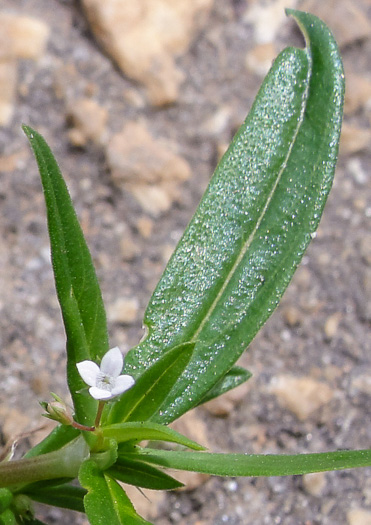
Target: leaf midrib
261 217
154 384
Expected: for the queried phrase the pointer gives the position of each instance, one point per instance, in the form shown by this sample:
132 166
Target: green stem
99 413
62 463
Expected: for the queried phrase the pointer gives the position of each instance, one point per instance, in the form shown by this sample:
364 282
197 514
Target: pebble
22 37
145 227
192 425
224 405
301 395
259 59
362 383
128 247
134 155
315 483
351 22
13 423
166 252
365 248
267 19
355 168
292 316
357 93
8 86
88 121
354 139
359 517
124 310
365 305
218 122
9 163
153 199
147 167
145 36
332 325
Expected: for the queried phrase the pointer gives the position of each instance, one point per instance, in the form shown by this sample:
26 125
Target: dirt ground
311 383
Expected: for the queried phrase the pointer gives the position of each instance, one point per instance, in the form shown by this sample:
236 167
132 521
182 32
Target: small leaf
142 475
256 464
65 496
8 518
254 222
151 389
106 502
136 432
75 279
234 378
6 497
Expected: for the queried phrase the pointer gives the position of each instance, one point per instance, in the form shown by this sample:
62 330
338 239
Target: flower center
105 382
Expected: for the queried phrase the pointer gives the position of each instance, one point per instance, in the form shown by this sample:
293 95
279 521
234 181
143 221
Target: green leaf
234 378
106 502
254 222
151 389
256 464
7 518
142 475
66 496
76 282
58 438
136 432
6 497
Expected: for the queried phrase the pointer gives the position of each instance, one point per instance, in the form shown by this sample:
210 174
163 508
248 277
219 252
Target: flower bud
57 410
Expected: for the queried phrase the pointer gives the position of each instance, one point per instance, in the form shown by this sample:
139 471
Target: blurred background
138 101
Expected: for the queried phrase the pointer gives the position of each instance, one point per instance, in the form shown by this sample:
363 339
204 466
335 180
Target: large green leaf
254 222
150 391
106 502
256 464
76 282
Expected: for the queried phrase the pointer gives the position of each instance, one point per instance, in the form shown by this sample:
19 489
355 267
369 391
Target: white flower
106 382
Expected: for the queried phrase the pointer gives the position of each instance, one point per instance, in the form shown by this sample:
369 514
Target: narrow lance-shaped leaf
65 496
234 378
142 475
106 502
58 438
76 282
256 464
147 396
136 432
254 222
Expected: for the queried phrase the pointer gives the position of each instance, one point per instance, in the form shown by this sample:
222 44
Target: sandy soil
319 333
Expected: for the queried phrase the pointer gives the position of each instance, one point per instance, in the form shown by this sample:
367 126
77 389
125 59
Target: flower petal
112 362
89 371
122 384
99 393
